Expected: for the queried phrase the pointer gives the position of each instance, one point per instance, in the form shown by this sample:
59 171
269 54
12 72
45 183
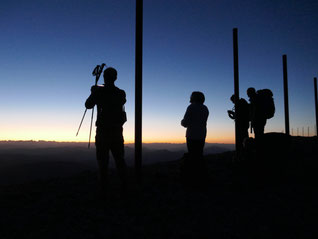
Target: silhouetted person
258 120
241 115
111 116
195 120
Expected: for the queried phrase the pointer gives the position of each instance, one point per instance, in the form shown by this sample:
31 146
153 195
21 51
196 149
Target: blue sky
49 49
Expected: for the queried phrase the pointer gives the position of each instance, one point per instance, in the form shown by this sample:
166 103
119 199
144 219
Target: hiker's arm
185 122
123 97
92 99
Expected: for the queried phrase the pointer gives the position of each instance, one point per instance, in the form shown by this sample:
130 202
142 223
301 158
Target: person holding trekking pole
111 117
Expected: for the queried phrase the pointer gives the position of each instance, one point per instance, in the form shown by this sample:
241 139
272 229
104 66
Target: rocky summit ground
233 203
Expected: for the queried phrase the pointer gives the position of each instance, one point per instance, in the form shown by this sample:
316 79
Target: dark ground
236 203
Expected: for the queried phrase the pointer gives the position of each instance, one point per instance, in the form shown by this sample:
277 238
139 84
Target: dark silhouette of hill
162 207
11 144
28 162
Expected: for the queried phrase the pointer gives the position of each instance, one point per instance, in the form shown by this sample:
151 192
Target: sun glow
63 135
64 130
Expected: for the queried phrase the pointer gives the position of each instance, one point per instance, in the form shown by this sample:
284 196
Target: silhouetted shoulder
122 95
206 108
203 108
112 94
197 107
117 90
122 92
243 101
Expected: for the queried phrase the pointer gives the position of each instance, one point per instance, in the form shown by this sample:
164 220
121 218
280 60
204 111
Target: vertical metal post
236 84
286 94
138 88
316 104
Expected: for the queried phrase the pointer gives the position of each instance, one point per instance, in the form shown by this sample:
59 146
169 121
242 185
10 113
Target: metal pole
236 84
286 94
316 104
90 129
97 72
138 89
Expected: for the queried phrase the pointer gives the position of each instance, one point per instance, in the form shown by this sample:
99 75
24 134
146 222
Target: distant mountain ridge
29 160
78 152
11 144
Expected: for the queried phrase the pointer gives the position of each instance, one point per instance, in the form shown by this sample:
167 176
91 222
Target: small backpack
266 102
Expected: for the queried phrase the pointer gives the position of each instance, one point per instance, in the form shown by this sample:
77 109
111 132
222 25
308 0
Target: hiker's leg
199 164
242 135
258 130
102 156
261 126
118 152
195 147
263 122
200 146
191 145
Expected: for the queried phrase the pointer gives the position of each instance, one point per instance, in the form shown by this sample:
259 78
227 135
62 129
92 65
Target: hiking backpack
266 102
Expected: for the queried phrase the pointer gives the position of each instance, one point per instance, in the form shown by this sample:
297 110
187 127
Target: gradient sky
48 50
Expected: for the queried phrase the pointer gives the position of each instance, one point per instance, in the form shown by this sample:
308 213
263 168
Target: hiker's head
251 92
110 75
197 97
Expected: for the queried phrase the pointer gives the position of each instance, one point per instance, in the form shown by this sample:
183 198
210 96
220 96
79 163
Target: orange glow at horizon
60 135
51 129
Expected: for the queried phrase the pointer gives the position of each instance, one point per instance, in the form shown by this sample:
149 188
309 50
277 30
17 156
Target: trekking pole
81 121
96 72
